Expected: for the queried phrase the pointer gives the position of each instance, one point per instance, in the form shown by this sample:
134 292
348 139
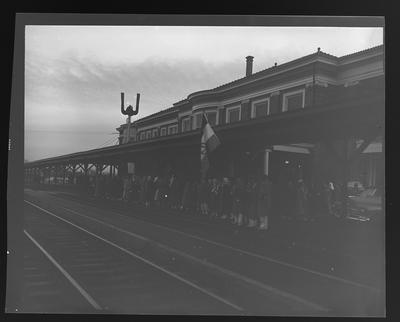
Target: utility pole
130 112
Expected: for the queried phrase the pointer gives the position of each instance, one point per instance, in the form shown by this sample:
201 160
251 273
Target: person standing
209 196
149 191
172 192
156 191
126 188
185 196
302 200
214 197
313 197
264 202
246 201
238 193
226 198
328 198
219 199
136 189
163 191
194 197
290 199
142 182
203 196
252 189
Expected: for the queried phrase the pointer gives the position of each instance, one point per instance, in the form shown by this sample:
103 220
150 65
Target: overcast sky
74 74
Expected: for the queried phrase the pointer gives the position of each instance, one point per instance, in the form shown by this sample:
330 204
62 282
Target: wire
72 131
109 141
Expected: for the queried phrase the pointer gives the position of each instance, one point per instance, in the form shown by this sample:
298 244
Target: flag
209 142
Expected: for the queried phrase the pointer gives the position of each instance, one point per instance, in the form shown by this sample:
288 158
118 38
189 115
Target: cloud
71 85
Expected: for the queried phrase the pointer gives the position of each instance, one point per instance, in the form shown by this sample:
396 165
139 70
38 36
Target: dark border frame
12 223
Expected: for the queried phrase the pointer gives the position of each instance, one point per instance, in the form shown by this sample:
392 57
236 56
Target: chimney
249 65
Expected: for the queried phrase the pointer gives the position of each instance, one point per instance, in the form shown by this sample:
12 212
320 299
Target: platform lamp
130 112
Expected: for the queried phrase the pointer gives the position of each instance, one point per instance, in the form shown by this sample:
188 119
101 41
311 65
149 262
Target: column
221 115
266 161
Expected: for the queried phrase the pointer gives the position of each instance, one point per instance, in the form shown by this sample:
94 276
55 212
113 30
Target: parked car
355 187
367 206
368 203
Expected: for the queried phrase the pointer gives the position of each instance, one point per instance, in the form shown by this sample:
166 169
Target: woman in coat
185 196
214 192
149 190
226 198
173 196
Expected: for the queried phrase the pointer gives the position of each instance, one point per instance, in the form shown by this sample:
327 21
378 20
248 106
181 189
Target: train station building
316 118
273 98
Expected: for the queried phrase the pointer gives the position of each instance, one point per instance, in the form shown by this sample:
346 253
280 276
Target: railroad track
175 220
103 276
363 270
246 292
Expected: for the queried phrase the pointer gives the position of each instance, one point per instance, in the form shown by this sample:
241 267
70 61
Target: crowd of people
249 201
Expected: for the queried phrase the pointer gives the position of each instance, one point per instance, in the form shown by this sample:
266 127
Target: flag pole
203 171
205 115
208 143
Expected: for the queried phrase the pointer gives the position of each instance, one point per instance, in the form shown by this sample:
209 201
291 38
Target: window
260 108
212 117
233 114
155 133
173 129
148 135
142 136
163 131
186 124
197 120
293 100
